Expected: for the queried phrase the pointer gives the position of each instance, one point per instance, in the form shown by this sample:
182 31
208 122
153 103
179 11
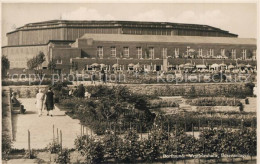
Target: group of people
79 91
45 101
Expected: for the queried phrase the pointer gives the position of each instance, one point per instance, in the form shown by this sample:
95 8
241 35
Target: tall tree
51 66
36 62
5 65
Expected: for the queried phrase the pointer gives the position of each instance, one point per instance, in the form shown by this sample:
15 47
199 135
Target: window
113 51
222 52
244 54
100 52
200 52
126 52
233 54
176 52
151 53
254 55
139 52
211 52
59 61
164 53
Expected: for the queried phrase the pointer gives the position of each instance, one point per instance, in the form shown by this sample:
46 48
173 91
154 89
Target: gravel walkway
41 128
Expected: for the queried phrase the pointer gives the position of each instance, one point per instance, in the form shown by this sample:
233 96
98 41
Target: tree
51 66
5 65
36 62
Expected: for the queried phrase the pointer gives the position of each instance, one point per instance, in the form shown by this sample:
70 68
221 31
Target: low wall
26 91
183 89
149 89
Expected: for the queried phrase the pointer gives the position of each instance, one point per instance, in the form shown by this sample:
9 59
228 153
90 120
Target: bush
30 155
94 151
54 147
111 144
241 107
63 157
6 145
120 106
246 101
80 91
90 148
128 149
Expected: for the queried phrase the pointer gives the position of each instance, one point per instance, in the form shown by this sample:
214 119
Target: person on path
49 102
40 97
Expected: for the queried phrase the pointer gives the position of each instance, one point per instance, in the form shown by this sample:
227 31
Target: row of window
150 53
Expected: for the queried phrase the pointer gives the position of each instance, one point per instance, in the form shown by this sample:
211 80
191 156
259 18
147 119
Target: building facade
75 45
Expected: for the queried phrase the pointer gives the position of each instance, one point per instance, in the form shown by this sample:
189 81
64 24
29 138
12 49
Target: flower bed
120 108
214 101
131 149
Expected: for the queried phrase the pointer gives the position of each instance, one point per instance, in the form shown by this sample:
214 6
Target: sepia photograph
129 82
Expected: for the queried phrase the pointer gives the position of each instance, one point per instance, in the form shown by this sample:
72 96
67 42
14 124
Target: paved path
252 106
41 128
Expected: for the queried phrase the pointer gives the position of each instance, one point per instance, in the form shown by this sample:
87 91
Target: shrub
80 143
111 144
54 147
63 157
94 151
80 91
30 155
246 101
241 107
90 148
128 149
6 145
102 109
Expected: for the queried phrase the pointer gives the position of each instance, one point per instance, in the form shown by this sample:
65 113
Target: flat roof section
168 39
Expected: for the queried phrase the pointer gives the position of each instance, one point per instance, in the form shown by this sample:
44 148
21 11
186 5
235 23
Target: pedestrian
93 77
70 93
40 97
49 102
103 73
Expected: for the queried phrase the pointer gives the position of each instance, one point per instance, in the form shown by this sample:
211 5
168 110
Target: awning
182 65
115 66
231 66
248 66
188 65
94 65
137 66
201 66
102 65
214 65
131 65
222 65
241 65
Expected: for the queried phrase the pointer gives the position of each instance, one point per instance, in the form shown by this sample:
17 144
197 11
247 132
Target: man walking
49 102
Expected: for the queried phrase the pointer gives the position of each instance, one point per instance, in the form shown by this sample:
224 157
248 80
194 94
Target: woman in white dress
40 97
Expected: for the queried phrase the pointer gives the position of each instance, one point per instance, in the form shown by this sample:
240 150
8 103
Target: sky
238 18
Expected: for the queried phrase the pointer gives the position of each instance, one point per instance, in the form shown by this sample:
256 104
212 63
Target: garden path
41 128
252 106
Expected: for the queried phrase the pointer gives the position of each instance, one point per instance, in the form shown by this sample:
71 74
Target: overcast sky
233 17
